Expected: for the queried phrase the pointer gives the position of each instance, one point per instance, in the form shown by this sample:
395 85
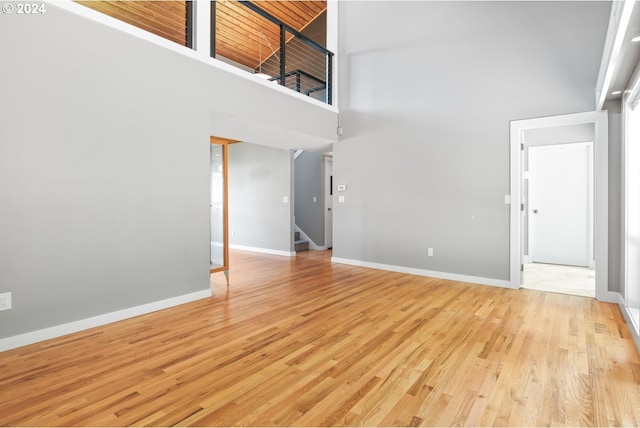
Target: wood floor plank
303 342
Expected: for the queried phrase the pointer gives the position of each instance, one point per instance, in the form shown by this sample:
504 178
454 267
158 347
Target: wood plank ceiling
241 34
164 18
246 37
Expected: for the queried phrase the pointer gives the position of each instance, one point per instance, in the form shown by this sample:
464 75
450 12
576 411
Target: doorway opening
219 205
558 210
596 248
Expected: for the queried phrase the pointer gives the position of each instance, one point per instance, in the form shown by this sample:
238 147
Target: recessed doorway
558 211
518 197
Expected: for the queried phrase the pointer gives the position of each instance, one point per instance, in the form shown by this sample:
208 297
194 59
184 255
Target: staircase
300 244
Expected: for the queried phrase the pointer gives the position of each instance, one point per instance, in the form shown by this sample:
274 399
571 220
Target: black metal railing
252 38
189 24
313 85
242 34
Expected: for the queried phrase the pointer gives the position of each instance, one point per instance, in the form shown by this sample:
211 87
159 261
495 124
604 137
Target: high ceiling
248 38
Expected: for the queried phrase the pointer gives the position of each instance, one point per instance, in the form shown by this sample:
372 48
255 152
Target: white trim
620 300
101 18
601 183
618 23
636 99
423 272
312 245
202 27
610 297
629 320
97 321
263 250
629 98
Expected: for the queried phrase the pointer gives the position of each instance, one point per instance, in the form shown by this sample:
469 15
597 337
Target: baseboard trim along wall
423 272
97 321
611 297
627 319
263 250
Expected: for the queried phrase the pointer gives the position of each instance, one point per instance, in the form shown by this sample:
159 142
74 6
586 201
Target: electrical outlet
5 301
430 252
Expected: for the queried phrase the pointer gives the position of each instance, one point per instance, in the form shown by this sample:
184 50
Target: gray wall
259 178
104 171
426 106
615 196
309 215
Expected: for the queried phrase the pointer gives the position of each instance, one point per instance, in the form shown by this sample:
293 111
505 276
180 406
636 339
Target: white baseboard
611 297
263 250
312 245
423 272
97 321
629 321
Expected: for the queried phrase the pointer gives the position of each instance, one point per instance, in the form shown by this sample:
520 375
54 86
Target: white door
559 204
328 202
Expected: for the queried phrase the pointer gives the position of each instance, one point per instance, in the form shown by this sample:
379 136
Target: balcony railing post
283 64
329 78
189 21
213 29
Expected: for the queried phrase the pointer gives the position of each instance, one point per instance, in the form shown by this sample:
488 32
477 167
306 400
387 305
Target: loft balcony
281 41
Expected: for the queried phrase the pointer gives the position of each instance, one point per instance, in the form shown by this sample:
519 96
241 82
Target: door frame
224 143
601 193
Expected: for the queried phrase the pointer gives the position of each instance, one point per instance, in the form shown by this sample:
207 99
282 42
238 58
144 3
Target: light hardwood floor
302 342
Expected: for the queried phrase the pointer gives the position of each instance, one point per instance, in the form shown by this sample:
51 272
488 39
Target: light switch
285 199
342 187
507 199
315 199
341 199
